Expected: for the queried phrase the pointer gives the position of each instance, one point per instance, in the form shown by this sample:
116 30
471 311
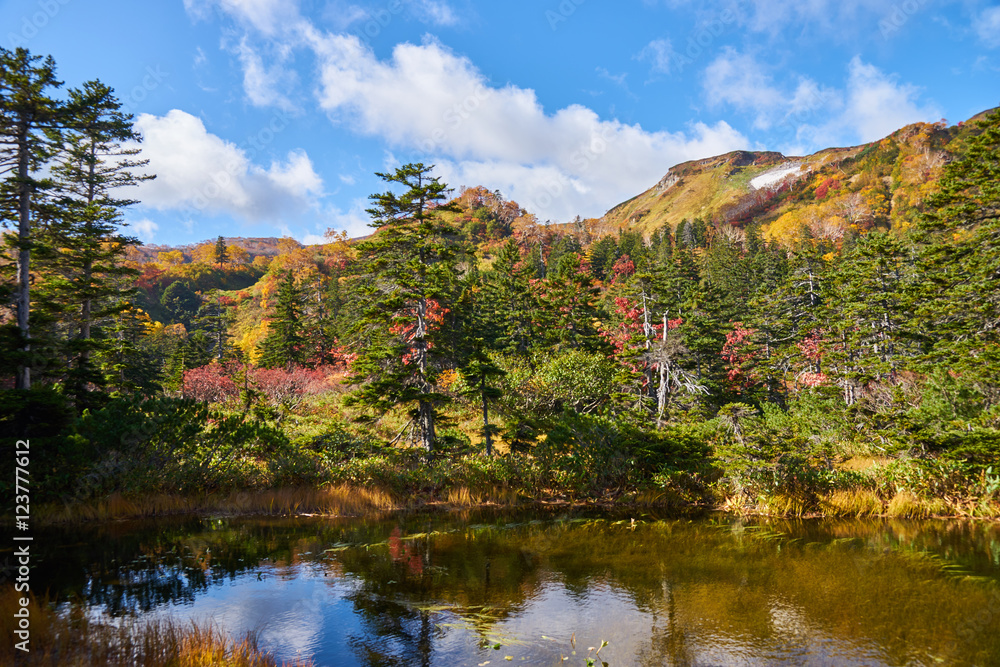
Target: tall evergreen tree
221 252
958 295
285 344
31 122
410 278
84 246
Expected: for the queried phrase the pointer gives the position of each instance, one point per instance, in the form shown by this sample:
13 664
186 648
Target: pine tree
409 280
85 249
867 313
567 302
285 344
506 306
30 134
958 295
221 252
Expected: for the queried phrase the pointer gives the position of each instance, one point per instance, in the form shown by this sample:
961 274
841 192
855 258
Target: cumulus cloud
878 105
567 161
145 229
196 169
870 105
988 27
426 100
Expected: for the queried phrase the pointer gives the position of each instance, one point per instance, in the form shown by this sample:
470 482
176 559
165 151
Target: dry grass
73 640
856 503
336 500
464 497
862 463
906 505
784 503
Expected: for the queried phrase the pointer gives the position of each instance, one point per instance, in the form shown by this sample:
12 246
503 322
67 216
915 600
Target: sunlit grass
72 639
339 500
856 503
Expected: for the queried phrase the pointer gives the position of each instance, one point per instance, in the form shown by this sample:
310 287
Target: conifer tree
84 249
409 280
221 253
30 134
958 295
285 342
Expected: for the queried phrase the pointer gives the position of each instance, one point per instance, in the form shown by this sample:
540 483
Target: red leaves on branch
624 267
739 354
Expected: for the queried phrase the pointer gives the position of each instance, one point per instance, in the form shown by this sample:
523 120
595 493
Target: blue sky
270 117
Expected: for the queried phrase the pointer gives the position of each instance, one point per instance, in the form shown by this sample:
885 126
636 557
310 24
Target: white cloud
426 99
196 169
262 83
145 229
659 54
874 105
499 136
436 12
988 27
737 79
877 105
837 17
267 16
871 104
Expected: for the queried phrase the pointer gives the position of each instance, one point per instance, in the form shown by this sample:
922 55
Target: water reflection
446 589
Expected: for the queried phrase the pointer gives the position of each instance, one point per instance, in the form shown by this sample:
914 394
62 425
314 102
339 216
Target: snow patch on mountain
775 176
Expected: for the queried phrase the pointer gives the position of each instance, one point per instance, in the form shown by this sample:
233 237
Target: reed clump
858 503
72 639
907 505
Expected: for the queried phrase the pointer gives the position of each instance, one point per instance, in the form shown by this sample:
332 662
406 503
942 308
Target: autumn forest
778 335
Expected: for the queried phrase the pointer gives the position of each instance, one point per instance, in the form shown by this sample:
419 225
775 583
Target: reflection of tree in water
135 570
480 576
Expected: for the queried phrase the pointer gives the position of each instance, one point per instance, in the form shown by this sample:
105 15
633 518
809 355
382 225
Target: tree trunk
426 409
486 419
23 379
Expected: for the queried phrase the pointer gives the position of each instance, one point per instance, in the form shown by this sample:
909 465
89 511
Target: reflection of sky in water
665 594
296 611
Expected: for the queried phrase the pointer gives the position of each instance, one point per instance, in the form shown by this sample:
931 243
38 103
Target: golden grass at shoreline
340 500
71 639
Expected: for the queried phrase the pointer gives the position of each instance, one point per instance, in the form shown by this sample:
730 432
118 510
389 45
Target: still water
478 588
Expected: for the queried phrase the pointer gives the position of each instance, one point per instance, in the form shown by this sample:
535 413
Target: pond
549 588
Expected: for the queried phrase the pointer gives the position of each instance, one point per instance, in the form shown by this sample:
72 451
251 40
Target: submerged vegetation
828 345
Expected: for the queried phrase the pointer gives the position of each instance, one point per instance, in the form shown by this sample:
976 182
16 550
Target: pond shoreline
348 501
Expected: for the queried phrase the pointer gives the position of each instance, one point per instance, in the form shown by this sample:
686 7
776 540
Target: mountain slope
828 192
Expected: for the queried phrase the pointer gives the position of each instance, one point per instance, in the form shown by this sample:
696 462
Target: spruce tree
85 250
958 295
285 344
31 122
221 253
409 278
